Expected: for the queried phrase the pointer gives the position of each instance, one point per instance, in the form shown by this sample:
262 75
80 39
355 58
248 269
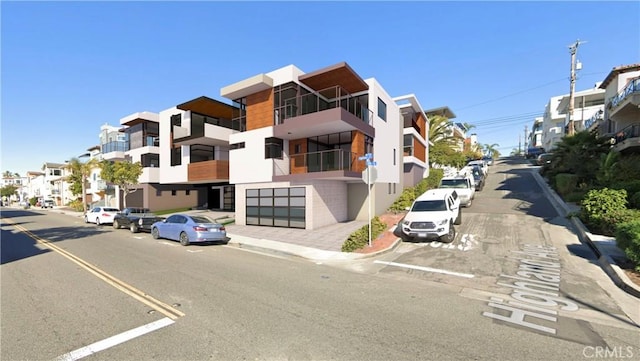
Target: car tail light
222 228
199 229
106 215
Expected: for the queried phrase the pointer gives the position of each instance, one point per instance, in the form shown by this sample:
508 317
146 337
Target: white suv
432 216
464 185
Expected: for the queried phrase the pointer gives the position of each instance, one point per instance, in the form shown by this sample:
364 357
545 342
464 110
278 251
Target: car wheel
459 218
184 239
116 224
449 237
133 227
97 221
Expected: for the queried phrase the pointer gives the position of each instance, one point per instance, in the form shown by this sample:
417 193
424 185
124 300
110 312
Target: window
187 192
176 155
273 148
158 193
237 145
150 160
176 120
382 110
173 192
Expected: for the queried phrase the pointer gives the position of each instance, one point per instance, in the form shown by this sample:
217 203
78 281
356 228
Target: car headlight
406 223
443 222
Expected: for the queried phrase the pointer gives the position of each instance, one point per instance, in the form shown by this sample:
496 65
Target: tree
124 174
78 178
8 190
440 130
491 150
468 126
9 174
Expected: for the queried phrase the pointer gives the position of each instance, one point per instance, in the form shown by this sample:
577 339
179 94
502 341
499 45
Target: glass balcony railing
323 161
329 98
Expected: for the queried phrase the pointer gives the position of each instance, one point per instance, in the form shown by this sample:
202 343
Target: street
516 284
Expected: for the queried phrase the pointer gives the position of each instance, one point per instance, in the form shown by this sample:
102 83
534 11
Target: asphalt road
70 289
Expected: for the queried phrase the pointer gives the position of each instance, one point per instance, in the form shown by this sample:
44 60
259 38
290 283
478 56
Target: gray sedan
189 229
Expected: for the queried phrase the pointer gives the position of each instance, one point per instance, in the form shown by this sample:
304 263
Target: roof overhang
246 87
207 106
616 71
139 117
339 74
444 111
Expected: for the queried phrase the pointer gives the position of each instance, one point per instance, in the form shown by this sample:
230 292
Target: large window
201 153
276 207
382 110
273 148
150 160
176 155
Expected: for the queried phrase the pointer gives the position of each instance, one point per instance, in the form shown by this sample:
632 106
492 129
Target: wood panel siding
297 162
419 150
422 123
210 170
357 150
260 110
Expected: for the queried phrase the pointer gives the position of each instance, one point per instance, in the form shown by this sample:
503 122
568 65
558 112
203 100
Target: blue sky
70 67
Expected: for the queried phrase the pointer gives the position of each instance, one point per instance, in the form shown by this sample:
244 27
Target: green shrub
76 205
609 222
410 194
574 197
634 201
631 186
566 183
628 239
360 238
600 206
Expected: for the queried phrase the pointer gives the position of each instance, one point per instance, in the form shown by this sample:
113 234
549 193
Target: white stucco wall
248 165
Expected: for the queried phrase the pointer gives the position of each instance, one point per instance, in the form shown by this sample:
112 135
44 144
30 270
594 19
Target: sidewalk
604 247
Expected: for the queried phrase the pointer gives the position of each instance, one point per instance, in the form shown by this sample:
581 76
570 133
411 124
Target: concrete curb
606 262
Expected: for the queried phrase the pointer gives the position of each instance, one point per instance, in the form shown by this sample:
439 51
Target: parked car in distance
136 219
432 216
488 159
481 164
533 152
188 229
478 179
464 185
47 203
544 158
101 215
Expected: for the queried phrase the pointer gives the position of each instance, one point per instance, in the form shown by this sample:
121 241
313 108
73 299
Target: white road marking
168 244
115 340
194 251
426 269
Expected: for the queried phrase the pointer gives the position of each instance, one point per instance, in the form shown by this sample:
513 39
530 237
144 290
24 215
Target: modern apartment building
415 141
621 118
537 129
297 161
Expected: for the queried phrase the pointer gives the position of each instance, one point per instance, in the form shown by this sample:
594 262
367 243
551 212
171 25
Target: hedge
628 239
360 237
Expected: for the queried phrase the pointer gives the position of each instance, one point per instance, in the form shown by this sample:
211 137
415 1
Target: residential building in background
415 140
537 130
621 118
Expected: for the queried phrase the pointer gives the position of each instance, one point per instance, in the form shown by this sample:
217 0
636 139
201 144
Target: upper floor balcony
208 171
114 150
627 140
203 129
625 104
330 110
327 164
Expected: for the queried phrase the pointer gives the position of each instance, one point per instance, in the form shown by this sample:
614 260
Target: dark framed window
187 192
273 148
173 192
150 160
176 155
382 110
237 146
176 120
158 193
201 153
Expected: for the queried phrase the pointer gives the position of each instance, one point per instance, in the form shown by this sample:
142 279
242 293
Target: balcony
208 171
628 139
204 130
327 164
330 110
625 104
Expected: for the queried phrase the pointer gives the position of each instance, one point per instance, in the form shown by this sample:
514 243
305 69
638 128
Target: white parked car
101 215
433 216
464 184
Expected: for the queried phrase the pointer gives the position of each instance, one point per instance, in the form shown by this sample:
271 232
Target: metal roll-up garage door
276 207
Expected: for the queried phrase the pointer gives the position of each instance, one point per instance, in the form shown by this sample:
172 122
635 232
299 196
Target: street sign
374 175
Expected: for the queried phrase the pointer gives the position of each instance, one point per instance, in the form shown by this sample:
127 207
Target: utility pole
573 49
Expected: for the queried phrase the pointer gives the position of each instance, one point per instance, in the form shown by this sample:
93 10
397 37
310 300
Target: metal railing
631 131
329 98
634 86
322 161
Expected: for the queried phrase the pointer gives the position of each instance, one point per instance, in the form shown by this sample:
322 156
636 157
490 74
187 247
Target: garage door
276 207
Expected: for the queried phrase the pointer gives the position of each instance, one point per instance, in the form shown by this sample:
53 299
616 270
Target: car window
111 210
428 206
95 210
173 219
453 183
201 219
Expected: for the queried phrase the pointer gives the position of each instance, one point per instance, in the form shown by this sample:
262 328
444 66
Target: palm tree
440 130
468 126
82 171
491 150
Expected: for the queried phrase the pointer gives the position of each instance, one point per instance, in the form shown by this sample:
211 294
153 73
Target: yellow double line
155 304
